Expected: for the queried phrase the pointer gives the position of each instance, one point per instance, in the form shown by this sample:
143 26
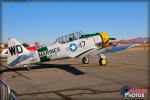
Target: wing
116 49
93 52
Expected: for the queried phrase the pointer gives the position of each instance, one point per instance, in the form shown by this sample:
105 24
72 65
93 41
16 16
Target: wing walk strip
1 71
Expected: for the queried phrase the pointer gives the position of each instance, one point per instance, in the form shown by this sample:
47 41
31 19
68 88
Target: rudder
15 49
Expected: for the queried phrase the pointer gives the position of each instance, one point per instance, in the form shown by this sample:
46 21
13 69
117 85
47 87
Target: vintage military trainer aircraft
74 45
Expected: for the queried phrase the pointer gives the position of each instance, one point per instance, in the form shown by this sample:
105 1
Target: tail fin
15 49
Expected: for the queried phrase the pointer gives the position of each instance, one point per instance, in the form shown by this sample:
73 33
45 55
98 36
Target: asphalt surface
69 79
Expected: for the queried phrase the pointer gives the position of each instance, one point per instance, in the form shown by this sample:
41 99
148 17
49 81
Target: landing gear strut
102 60
85 60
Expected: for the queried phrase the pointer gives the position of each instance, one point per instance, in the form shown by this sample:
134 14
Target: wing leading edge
115 49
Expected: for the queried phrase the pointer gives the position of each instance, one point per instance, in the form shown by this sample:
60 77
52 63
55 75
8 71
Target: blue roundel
73 47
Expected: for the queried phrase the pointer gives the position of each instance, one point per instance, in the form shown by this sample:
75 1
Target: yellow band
105 39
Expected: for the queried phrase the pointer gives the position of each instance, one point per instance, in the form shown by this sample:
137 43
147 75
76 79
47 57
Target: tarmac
69 79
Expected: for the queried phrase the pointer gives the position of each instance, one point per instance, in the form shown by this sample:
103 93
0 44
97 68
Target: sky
45 21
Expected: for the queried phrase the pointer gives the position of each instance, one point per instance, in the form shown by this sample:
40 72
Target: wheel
27 67
103 62
85 60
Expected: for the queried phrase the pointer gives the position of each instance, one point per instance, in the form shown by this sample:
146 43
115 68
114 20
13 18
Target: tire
102 62
27 67
85 60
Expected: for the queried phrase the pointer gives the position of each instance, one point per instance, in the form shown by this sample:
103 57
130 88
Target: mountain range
136 40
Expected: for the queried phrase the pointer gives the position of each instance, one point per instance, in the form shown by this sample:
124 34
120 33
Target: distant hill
136 40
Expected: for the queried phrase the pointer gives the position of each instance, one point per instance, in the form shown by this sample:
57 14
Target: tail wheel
103 62
85 60
27 67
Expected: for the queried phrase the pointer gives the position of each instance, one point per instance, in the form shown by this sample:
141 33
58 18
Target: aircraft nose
105 39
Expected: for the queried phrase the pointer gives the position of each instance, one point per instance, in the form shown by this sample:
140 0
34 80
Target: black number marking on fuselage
15 49
82 44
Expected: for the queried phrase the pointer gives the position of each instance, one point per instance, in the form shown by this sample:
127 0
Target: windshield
69 37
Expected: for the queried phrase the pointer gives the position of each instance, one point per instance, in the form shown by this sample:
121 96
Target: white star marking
73 47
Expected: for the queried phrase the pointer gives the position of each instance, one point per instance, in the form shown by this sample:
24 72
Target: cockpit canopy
70 37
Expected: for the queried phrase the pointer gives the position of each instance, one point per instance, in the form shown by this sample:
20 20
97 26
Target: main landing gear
27 67
85 60
102 61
